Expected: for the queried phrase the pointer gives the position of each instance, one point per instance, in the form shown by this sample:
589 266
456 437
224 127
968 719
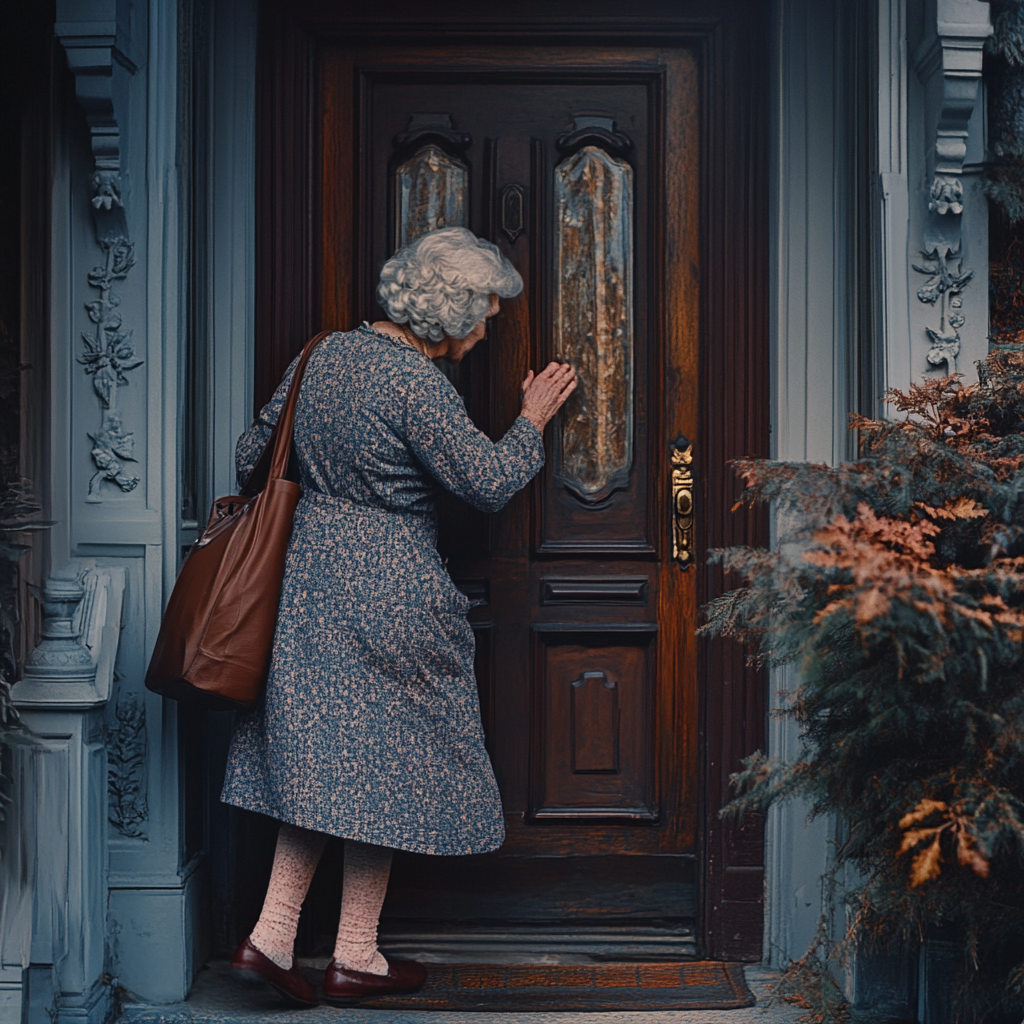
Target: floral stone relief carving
109 354
128 807
951 58
944 288
946 195
102 67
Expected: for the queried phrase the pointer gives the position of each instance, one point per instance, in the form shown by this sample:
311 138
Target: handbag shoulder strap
273 463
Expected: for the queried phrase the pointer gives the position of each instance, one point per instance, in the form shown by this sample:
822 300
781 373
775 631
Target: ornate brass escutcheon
513 217
682 503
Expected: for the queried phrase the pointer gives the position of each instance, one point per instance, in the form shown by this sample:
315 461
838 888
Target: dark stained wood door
586 657
618 161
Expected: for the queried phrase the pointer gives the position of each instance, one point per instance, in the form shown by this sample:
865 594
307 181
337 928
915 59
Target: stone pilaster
56 877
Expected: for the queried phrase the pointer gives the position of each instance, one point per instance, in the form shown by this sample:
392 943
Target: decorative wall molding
109 353
953 50
944 289
893 210
954 47
95 39
946 195
97 56
128 806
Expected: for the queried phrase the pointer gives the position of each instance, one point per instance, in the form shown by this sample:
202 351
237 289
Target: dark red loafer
252 965
343 986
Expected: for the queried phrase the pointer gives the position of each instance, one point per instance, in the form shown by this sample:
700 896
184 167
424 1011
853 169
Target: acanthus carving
128 807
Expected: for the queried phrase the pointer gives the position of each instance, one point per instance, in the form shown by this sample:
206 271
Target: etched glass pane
431 188
594 320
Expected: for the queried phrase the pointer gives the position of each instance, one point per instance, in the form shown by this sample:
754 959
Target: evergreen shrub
897 587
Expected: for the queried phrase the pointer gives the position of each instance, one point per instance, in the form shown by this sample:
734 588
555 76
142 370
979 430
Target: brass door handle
682 503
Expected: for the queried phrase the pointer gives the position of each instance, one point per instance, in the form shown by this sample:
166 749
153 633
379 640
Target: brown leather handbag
217 632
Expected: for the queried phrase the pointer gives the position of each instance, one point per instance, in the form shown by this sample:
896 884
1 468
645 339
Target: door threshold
539 944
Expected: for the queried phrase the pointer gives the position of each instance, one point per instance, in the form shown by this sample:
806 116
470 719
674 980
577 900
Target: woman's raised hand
545 393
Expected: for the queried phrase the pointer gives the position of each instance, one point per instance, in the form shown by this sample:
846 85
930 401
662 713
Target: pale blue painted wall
924 48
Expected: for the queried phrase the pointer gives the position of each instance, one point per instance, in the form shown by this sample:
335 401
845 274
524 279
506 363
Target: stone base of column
155 937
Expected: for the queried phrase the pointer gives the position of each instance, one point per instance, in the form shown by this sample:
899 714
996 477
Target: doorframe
732 39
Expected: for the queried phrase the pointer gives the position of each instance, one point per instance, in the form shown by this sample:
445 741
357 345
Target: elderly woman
370 727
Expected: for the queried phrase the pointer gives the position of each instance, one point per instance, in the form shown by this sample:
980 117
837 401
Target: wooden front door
587 164
586 658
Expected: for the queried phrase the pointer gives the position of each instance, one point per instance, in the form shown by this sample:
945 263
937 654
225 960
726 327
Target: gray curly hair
442 283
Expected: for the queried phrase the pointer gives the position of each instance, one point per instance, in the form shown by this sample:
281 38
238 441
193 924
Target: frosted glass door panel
593 320
432 189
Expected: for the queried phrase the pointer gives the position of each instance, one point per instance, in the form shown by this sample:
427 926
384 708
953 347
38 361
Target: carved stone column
120 221
55 896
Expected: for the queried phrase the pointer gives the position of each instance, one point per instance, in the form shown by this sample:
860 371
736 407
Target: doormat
701 985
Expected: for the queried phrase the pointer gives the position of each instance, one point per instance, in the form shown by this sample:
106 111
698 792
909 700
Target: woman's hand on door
545 393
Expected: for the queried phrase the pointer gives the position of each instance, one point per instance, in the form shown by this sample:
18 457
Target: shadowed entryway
611 168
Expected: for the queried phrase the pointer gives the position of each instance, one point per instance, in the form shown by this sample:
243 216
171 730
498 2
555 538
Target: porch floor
218 998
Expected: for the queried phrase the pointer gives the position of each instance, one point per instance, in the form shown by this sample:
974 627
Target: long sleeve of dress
251 444
448 444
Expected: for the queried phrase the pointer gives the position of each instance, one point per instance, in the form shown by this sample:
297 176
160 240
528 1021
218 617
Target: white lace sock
366 881
295 859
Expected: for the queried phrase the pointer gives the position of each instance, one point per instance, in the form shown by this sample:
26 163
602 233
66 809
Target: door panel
593 731
586 660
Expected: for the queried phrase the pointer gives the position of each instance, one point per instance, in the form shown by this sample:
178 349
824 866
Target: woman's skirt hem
363 835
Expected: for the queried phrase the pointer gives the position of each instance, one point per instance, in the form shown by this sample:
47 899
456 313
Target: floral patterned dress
370 725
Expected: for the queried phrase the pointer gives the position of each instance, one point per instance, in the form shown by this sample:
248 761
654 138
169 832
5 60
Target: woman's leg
295 859
366 881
